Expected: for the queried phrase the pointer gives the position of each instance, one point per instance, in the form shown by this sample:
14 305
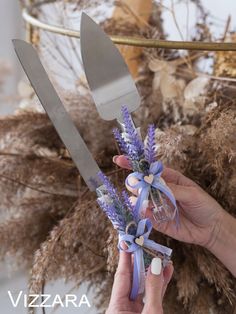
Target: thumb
153 288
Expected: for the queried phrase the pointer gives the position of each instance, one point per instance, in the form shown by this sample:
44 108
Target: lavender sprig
118 209
116 219
121 142
133 139
124 145
110 188
150 145
131 215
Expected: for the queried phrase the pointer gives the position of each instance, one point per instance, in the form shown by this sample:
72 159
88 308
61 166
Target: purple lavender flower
130 208
115 202
134 141
110 189
150 146
118 209
116 219
121 142
124 145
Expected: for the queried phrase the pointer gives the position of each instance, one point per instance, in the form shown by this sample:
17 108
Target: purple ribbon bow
135 245
145 182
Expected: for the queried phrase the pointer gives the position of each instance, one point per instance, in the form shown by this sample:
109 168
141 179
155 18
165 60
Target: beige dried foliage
25 134
165 79
217 154
84 113
194 99
175 145
225 61
22 233
183 96
45 175
204 302
75 248
112 251
188 281
214 272
171 303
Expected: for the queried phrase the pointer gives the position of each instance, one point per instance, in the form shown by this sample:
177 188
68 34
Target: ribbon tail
141 273
136 276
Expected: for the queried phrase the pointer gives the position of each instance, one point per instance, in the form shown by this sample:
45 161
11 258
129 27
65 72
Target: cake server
108 76
63 123
57 113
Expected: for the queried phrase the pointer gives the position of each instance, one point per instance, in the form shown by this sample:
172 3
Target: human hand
155 286
200 215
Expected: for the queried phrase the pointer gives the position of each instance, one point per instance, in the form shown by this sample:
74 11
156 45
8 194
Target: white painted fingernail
156 266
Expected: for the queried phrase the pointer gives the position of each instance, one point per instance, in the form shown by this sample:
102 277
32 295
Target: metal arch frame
31 20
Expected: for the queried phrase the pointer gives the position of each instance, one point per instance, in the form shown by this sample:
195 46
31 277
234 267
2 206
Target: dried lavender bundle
133 230
147 171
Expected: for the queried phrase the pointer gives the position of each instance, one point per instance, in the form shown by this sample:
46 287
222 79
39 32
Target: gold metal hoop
121 40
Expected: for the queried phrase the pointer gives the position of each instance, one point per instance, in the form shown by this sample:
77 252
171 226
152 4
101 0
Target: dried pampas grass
75 250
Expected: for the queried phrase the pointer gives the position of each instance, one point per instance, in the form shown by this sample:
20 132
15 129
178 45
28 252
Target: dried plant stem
27 186
172 11
227 26
59 51
110 173
219 78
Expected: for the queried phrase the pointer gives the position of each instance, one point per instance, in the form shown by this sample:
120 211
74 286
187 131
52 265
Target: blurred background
13 27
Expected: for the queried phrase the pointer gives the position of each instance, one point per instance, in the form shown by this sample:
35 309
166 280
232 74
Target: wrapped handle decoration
146 170
146 185
133 230
136 244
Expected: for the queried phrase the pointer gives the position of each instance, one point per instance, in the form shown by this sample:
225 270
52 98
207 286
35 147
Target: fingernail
156 266
114 159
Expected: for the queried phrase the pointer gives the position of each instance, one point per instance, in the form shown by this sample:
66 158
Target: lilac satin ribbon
143 229
156 170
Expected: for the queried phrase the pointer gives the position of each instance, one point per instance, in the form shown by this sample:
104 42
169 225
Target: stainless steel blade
60 118
107 73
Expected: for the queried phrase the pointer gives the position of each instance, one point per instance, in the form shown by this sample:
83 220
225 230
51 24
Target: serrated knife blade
60 118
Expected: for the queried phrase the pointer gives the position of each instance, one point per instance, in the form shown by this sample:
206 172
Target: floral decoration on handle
146 171
133 232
